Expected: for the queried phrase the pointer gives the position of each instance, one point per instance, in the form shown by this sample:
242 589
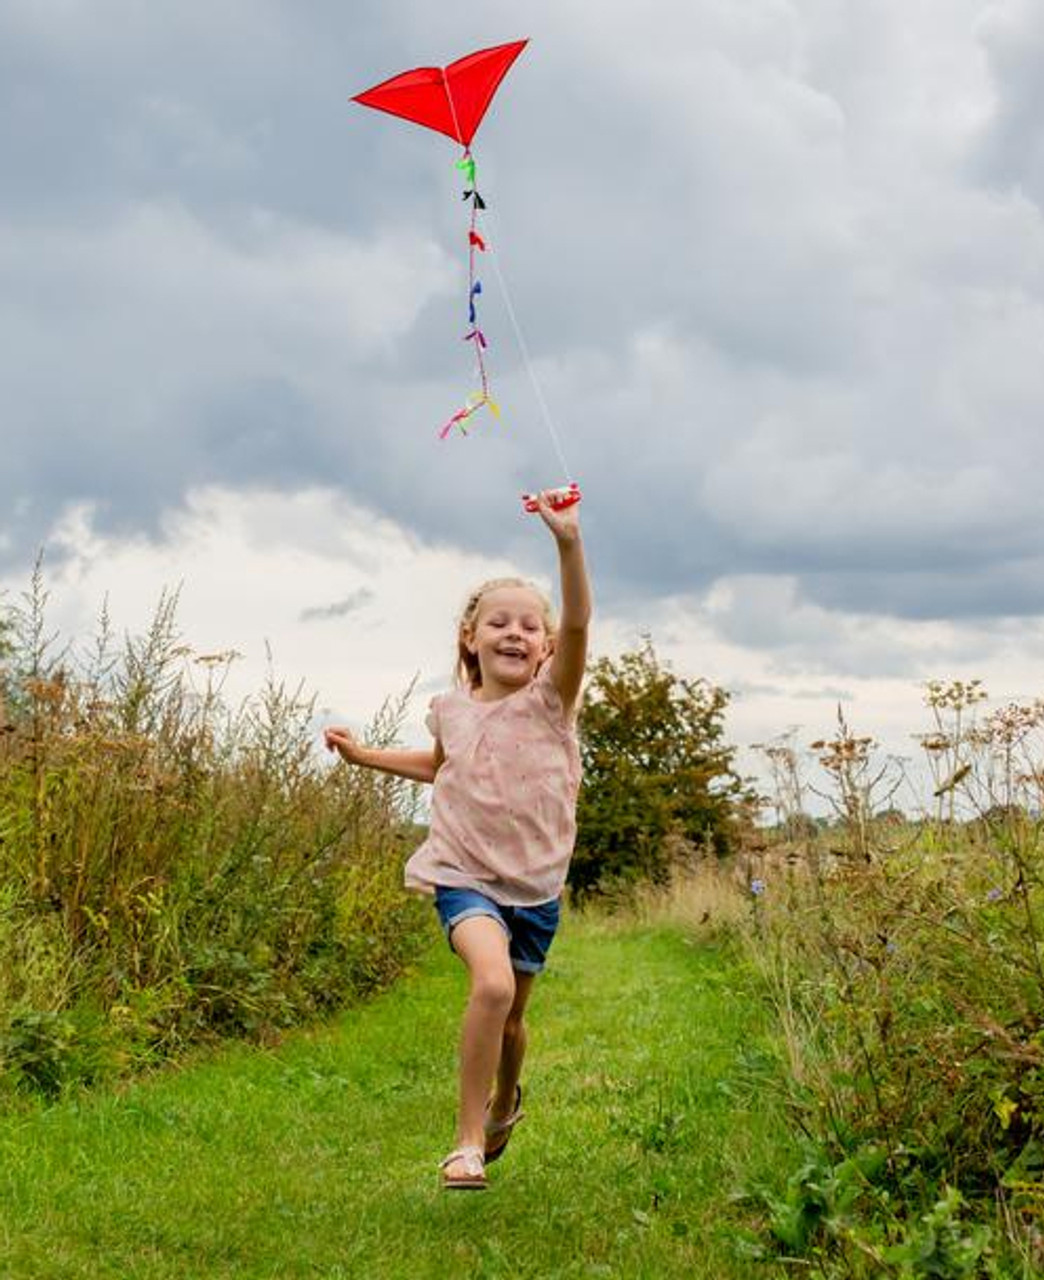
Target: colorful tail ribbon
476 289
474 402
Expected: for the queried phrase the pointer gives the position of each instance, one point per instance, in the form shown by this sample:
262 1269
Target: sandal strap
473 1159
493 1127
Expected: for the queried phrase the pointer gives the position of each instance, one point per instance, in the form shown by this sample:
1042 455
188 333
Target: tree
655 767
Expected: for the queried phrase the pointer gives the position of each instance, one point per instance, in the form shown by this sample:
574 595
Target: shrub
657 776
910 992
173 867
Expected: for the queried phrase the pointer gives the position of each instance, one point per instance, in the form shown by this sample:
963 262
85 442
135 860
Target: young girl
506 770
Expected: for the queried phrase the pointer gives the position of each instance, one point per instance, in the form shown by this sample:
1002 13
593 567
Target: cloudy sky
779 268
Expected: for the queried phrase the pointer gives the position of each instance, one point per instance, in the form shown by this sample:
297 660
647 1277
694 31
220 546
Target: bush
658 779
172 867
910 993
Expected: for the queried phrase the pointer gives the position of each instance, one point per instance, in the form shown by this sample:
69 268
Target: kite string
519 338
494 257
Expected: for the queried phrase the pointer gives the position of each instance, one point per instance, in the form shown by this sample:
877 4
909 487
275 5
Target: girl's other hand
344 742
564 524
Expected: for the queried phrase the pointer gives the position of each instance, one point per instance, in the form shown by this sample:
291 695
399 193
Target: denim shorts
530 930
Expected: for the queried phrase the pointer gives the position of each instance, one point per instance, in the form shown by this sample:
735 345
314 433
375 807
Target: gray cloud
1012 151
805 638
778 267
751 689
339 608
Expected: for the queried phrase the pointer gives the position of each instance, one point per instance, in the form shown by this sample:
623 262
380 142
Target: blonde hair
468 674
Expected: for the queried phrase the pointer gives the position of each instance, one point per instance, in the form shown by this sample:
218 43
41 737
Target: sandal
472 1176
498 1132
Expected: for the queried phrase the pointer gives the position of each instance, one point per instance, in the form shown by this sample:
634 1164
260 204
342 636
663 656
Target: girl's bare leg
512 1050
483 946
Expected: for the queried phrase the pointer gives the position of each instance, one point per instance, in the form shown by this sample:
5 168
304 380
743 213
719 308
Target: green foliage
914 1014
844 1216
940 1246
821 1198
318 1158
657 775
173 867
909 985
45 1050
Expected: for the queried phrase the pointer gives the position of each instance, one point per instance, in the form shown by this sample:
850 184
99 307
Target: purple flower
757 887
995 895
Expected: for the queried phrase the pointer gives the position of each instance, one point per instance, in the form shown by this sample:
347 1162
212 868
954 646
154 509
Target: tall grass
905 965
173 867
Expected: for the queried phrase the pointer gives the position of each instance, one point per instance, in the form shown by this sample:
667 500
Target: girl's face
509 638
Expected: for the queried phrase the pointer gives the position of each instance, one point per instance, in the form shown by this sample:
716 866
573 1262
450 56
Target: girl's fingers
566 521
547 511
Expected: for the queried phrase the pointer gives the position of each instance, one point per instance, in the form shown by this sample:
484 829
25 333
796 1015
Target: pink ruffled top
503 815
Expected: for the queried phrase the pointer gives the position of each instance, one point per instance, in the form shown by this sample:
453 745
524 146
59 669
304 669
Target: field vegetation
903 958
173 868
317 1158
176 870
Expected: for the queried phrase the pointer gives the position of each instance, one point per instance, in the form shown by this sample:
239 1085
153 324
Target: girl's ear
467 639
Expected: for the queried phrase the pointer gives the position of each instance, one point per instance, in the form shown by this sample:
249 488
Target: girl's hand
344 742
564 524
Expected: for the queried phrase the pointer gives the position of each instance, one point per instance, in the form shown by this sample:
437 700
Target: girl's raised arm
570 655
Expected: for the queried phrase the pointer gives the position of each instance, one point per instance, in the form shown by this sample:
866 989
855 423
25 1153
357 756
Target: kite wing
452 100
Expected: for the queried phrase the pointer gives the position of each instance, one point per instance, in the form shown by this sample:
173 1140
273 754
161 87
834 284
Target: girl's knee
494 989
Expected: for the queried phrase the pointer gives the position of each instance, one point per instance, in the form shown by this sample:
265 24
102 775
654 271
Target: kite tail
476 244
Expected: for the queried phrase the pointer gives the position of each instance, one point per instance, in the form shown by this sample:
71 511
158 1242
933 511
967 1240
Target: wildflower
757 887
995 895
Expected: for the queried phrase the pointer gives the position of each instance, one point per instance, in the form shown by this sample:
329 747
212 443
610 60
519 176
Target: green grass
319 1158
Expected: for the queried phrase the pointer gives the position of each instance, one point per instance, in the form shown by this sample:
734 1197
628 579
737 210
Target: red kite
452 100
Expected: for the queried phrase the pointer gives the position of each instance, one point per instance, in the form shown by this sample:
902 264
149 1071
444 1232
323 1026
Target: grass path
318 1159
